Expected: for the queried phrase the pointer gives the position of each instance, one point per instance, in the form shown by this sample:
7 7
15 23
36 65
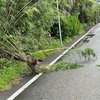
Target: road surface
77 84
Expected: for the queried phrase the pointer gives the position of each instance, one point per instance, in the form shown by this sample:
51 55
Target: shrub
70 27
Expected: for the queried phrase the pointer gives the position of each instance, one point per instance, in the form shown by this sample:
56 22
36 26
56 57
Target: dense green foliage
9 71
70 27
26 26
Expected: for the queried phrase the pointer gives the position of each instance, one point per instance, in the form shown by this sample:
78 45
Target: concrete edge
13 96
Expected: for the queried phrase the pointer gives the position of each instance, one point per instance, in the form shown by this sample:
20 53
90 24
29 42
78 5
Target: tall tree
15 19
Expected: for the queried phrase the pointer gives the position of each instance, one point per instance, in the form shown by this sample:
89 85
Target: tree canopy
25 26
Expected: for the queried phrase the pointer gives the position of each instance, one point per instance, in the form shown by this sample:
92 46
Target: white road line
13 96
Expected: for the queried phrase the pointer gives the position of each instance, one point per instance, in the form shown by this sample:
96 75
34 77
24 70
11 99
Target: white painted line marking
24 87
70 47
13 96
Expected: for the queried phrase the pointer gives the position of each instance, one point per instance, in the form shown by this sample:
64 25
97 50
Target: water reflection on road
90 41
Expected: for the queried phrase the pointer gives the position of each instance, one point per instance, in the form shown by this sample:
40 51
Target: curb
13 96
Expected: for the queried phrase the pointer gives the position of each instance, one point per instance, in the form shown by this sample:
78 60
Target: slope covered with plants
30 27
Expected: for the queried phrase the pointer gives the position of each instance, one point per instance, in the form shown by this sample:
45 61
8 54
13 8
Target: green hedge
70 26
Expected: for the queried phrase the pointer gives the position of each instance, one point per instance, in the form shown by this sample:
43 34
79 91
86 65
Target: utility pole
59 25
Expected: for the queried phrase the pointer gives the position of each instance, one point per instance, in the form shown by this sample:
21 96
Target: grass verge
11 73
44 53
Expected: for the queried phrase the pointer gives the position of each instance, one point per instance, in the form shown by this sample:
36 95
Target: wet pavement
53 86
77 84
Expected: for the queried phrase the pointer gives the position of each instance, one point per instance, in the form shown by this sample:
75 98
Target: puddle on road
85 40
90 35
73 56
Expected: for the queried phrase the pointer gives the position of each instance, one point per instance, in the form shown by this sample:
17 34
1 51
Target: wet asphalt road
77 84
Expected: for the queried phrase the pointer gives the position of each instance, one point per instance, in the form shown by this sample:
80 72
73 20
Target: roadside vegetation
87 54
11 72
58 66
31 28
